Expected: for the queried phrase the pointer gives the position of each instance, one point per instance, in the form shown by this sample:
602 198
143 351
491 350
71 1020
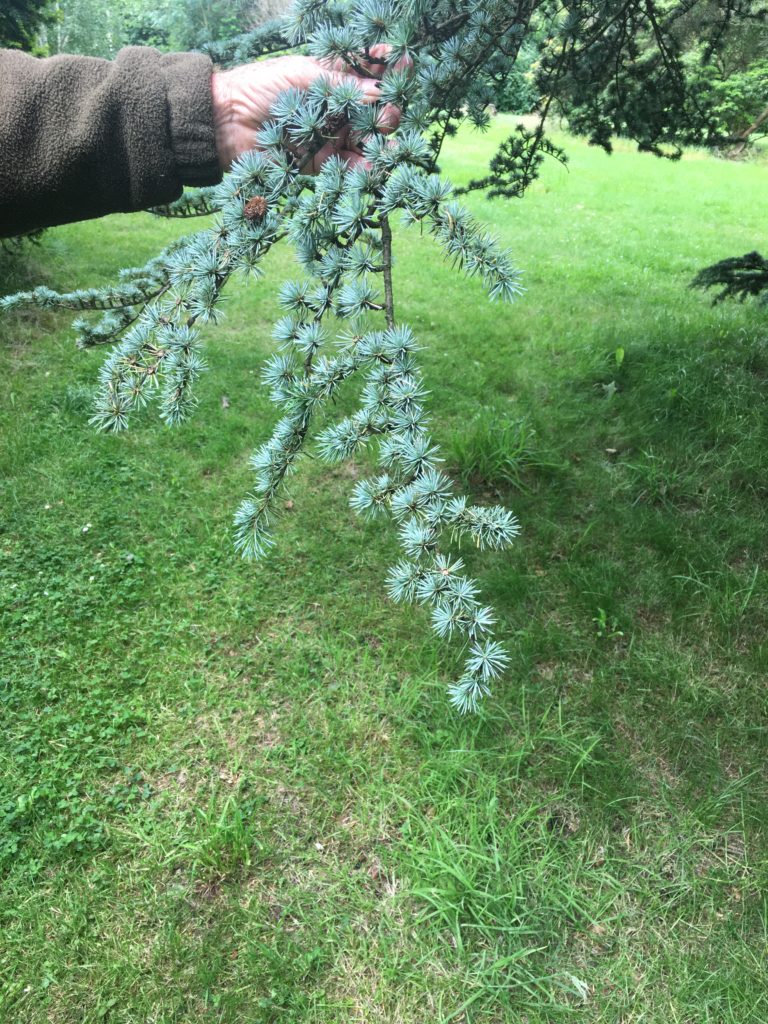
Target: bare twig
386 247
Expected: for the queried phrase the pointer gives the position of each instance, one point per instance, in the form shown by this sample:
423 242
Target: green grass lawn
236 792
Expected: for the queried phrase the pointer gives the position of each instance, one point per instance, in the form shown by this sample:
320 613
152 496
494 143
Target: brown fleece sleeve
81 137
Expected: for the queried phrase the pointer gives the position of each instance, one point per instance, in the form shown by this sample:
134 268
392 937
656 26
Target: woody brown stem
386 246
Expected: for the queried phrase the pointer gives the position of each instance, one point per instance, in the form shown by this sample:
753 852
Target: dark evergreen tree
649 70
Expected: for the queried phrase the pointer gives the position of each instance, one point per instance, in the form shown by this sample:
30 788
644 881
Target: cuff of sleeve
190 114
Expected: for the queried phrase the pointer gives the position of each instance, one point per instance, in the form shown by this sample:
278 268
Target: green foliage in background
518 95
100 29
20 21
637 69
737 100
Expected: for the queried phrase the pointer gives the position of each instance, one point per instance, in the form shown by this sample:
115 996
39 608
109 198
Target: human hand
243 96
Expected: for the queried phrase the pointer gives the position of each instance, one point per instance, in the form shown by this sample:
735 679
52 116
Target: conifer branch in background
15 243
199 202
267 38
740 277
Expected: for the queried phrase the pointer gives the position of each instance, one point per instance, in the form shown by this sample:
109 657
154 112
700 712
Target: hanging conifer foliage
340 317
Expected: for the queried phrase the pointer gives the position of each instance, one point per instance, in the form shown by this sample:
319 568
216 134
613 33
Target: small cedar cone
255 208
334 121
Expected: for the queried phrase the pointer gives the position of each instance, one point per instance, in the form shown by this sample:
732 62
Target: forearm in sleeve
81 137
